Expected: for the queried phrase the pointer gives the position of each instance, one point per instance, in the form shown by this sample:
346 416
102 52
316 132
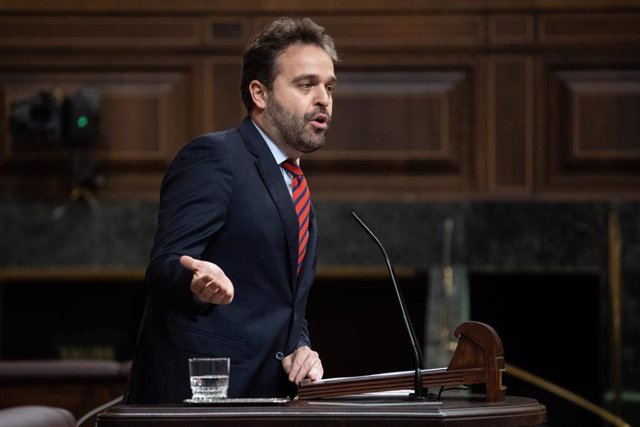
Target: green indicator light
82 122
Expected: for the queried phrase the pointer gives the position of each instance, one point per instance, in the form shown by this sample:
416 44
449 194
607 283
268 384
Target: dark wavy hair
259 57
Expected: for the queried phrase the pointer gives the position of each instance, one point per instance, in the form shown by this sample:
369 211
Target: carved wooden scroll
478 359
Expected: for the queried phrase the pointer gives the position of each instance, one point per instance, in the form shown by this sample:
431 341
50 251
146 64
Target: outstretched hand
209 283
303 363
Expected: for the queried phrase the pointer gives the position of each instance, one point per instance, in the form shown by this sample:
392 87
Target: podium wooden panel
457 411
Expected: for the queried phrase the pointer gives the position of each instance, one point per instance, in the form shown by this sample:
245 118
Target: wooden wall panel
605 121
510 128
142 119
589 28
400 32
100 31
233 32
468 99
228 108
594 140
508 29
396 114
416 126
339 7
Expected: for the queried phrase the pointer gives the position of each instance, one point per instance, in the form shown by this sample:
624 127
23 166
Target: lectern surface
377 411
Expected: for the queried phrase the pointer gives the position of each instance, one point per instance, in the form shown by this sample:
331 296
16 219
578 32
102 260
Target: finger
200 283
205 289
296 364
307 370
189 263
316 373
225 297
287 362
216 292
224 291
303 360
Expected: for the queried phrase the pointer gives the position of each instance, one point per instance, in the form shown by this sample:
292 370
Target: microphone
419 392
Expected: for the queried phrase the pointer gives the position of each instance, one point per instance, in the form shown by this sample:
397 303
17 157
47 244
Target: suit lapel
272 177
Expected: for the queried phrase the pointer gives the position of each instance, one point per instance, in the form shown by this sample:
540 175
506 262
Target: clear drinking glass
209 378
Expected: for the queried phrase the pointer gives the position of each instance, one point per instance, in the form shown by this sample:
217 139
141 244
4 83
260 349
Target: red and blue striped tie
302 205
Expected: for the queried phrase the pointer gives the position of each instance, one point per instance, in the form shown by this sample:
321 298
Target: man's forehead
301 58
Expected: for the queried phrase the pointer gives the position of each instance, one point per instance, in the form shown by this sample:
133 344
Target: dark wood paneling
594 139
457 100
400 114
400 32
590 28
100 31
605 114
510 130
231 32
413 127
306 7
511 29
228 109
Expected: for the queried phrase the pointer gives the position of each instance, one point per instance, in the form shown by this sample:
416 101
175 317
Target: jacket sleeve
304 339
304 335
194 200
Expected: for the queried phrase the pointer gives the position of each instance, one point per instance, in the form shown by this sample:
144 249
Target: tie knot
292 167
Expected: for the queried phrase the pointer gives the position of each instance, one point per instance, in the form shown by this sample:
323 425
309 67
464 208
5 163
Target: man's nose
322 96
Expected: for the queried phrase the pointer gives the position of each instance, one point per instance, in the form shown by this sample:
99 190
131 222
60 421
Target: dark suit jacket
224 200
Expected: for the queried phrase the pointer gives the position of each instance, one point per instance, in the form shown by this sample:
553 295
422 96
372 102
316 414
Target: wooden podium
453 411
372 400
478 359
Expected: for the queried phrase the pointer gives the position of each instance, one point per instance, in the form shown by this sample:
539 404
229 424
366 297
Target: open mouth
320 121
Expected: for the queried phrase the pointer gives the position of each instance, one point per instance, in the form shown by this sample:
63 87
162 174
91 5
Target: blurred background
493 146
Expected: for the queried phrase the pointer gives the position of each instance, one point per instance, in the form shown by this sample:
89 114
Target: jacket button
279 355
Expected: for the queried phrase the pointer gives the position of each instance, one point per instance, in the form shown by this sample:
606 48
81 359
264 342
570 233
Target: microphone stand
419 392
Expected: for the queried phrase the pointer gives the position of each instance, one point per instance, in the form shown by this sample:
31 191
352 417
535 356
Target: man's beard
293 129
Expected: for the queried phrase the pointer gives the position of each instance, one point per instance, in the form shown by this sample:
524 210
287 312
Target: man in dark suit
234 256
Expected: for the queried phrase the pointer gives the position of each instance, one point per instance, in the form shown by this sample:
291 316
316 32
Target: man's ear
258 94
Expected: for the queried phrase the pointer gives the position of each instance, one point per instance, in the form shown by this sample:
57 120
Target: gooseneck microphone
419 392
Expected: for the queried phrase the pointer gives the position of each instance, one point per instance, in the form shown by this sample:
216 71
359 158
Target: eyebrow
332 80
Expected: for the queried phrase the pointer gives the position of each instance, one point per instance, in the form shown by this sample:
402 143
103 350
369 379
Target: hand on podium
303 363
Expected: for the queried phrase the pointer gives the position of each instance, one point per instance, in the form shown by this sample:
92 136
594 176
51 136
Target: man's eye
306 85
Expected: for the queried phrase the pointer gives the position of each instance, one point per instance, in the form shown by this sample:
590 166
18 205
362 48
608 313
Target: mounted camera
50 116
69 125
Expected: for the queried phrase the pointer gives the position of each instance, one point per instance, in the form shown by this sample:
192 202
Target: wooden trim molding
220 7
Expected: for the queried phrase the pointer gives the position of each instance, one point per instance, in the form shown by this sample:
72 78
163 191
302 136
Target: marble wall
525 237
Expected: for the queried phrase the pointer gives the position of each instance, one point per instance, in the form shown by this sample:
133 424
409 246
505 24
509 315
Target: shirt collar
275 150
